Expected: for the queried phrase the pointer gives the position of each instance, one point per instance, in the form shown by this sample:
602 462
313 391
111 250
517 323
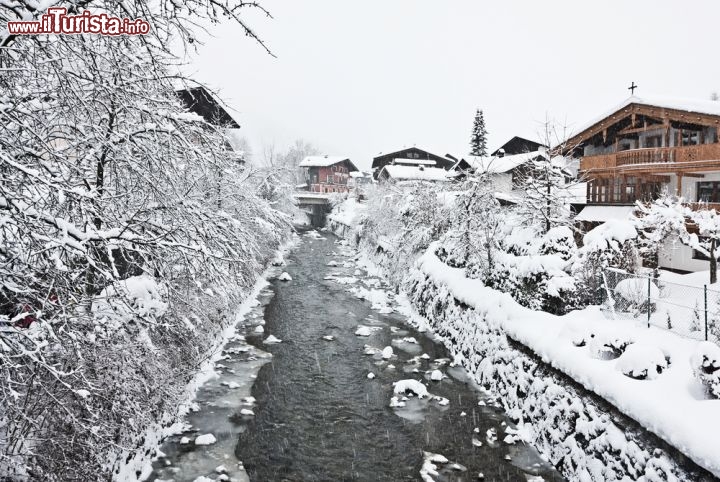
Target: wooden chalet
645 147
327 174
411 156
649 146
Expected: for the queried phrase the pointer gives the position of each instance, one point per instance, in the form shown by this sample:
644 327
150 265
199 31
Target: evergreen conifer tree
478 140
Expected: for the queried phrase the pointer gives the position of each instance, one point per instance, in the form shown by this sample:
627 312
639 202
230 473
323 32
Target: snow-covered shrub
642 361
635 295
534 269
607 345
612 244
706 365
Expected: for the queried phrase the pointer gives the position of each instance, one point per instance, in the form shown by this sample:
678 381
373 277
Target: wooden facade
643 150
330 179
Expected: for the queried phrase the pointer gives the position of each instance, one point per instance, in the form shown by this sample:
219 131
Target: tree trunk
713 262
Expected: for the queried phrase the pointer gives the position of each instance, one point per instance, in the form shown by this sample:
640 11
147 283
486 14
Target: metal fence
690 311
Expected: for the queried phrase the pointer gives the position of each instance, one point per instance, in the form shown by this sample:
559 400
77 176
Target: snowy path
323 409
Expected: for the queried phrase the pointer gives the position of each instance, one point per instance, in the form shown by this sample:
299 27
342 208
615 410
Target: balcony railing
655 155
328 188
704 206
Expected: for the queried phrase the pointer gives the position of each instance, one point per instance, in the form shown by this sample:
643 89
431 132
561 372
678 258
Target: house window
653 141
708 192
329 179
690 138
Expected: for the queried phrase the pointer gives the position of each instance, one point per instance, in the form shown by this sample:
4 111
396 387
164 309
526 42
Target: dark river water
317 414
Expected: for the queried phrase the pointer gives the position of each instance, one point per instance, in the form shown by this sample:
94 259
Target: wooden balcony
650 156
704 206
322 187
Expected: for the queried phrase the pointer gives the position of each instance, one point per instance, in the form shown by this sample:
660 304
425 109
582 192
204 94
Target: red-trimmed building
327 174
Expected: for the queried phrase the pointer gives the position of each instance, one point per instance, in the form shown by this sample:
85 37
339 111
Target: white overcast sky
360 77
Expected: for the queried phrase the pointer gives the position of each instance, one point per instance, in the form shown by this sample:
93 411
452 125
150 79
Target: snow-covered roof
508 197
415 173
700 106
577 193
422 148
356 174
414 162
499 165
322 161
604 213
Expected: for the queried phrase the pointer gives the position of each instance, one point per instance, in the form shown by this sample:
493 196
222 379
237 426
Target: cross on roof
632 88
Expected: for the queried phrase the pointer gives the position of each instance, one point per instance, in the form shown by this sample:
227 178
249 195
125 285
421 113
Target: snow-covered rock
387 353
259 329
410 385
285 276
371 375
271 340
436 375
207 439
363 330
430 468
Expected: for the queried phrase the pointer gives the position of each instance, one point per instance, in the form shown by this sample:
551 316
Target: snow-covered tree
658 222
473 239
478 139
547 184
698 229
126 231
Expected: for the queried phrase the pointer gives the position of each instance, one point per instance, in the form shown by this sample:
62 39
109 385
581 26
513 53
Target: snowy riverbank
138 462
672 404
555 374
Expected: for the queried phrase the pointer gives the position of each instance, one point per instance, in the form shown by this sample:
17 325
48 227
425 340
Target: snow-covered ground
672 403
347 212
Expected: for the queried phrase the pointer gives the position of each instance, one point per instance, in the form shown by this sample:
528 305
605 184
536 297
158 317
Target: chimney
501 152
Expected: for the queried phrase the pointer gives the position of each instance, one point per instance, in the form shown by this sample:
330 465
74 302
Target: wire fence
690 311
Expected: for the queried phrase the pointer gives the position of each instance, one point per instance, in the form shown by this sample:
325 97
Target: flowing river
319 408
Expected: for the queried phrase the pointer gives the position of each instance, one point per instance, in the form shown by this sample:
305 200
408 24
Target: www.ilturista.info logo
57 21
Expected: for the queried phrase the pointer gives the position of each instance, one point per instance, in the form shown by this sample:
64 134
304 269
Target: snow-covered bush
607 345
612 244
706 365
642 361
534 269
634 294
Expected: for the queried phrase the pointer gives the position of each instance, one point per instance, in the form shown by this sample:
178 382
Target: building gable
201 102
518 145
